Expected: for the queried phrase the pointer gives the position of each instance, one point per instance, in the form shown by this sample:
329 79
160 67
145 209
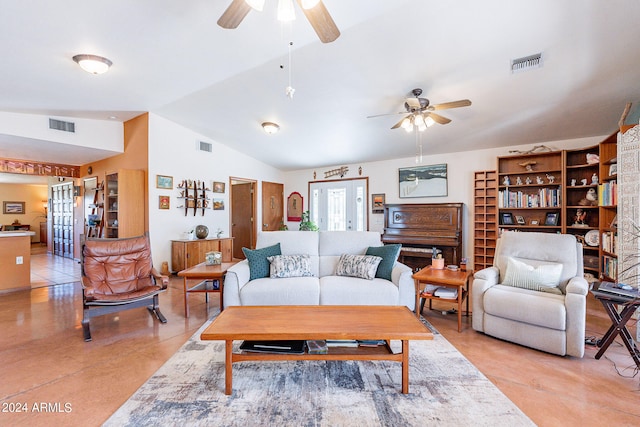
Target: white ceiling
172 59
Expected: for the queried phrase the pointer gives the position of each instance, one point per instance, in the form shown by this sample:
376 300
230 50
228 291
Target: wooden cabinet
581 213
187 253
484 218
530 192
124 204
608 209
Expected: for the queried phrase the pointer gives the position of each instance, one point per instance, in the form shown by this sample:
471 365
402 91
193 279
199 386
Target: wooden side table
458 279
203 272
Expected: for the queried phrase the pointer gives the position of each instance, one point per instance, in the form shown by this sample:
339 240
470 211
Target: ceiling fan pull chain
289 91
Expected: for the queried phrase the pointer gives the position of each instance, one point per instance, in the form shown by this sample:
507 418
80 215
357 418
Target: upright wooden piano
420 228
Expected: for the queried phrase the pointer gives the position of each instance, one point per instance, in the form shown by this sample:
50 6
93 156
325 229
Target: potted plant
306 224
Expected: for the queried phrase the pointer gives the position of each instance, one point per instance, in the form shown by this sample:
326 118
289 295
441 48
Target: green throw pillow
389 255
258 262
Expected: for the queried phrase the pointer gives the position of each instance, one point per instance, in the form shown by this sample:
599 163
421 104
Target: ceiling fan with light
315 11
420 114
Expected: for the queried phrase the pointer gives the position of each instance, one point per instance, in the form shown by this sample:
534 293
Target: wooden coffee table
443 277
203 272
276 323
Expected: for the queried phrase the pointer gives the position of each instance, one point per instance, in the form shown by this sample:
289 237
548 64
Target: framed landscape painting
423 181
13 208
163 181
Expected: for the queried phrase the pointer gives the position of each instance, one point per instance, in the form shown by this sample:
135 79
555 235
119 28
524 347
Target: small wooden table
203 272
274 323
449 278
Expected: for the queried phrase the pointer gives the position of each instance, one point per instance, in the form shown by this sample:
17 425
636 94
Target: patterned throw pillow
362 266
290 266
389 254
544 277
258 263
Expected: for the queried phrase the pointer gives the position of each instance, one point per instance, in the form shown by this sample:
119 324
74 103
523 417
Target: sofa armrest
482 280
237 276
577 285
401 276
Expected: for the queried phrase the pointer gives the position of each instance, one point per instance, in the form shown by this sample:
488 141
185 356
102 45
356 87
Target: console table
619 322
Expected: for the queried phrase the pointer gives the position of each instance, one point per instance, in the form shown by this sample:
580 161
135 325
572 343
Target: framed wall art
218 204
163 181
294 206
423 181
377 203
551 218
506 218
13 208
164 202
218 187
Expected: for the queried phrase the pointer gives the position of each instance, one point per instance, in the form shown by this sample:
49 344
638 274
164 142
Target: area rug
444 389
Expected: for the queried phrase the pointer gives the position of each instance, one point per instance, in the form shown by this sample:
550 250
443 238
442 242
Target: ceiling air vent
205 146
526 63
63 126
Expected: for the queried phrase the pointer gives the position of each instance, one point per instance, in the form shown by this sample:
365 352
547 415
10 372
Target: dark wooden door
272 206
242 217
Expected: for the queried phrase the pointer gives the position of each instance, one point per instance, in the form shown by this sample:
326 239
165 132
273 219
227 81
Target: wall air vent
205 146
526 63
63 126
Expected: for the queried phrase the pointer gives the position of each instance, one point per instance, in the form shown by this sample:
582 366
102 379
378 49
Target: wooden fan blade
235 13
439 119
453 104
397 125
321 21
387 114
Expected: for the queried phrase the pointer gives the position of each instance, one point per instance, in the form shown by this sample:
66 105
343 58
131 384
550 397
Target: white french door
339 205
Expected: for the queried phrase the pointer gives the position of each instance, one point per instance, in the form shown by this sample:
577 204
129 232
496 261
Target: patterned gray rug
444 389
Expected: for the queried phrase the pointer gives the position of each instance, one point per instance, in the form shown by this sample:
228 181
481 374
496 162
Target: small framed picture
613 169
218 204
551 219
218 187
377 203
506 218
163 181
164 202
520 220
534 222
13 208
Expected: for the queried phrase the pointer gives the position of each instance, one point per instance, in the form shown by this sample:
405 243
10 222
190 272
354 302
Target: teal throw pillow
258 262
389 255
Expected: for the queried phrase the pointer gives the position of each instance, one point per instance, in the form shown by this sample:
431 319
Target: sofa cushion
389 255
287 291
258 263
340 290
362 266
543 277
289 266
542 309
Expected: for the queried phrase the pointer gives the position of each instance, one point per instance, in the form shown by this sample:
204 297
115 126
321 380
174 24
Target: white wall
383 178
173 152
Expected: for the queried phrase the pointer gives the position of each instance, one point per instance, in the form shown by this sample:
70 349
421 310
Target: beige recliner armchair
535 294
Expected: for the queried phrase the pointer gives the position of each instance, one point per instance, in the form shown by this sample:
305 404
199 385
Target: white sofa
550 322
323 288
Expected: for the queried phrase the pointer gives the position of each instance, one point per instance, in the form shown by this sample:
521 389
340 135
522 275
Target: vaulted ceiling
170 58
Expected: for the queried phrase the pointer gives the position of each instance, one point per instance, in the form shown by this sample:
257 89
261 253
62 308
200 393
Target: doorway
243 214
272 206
62 215
339 205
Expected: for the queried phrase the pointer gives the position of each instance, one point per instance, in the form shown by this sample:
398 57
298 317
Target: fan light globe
286 12
255 4
429 122
93 64
309 4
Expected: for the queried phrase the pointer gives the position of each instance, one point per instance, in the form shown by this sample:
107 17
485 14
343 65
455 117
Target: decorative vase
202 231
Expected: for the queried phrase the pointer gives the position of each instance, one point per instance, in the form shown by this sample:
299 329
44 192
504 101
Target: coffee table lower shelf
382 352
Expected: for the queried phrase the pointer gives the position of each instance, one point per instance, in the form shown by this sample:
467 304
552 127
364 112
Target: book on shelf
284 346
342 343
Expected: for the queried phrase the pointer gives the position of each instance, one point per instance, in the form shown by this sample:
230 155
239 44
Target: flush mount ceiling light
93 64
270 127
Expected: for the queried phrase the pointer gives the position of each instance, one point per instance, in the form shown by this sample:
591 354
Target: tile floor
44 360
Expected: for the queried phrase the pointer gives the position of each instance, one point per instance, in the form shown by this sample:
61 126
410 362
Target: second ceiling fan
315 11
421 114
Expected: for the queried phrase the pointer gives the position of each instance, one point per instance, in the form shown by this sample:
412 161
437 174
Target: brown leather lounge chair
118 274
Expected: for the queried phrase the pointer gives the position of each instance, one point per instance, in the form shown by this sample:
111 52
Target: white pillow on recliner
544 277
